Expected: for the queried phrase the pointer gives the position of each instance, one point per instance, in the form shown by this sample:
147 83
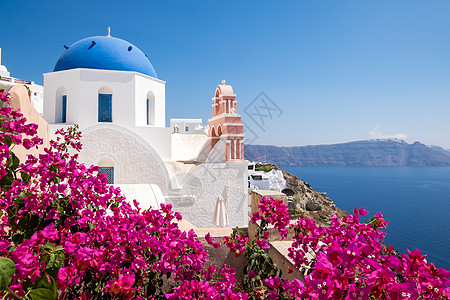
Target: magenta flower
67 277
123 284
62 222
211 241
251 274
273 283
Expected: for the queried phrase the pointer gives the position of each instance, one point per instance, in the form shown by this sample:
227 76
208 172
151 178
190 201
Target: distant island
376 153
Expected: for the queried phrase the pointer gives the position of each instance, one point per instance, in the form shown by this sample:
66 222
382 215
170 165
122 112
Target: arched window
61 105
148 111
105 104
238 149
64 109
150 108
106 166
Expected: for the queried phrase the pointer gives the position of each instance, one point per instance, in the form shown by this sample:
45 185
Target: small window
64 109
105 107
148 111
109 171
186 128
256 177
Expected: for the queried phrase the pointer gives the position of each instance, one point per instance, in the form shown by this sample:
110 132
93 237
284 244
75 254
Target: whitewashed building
36 91
186 126
110 89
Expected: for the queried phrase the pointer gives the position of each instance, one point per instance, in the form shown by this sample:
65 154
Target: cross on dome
223 82
109 31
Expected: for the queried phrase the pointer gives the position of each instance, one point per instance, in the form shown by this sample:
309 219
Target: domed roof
105 53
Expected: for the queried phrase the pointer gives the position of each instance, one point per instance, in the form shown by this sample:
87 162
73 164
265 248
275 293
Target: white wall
135 161
197 200
144 85
129 95
218 154
37 97
158 138
137 150
179 126
53 84
149 196
187 146
129 98
37 92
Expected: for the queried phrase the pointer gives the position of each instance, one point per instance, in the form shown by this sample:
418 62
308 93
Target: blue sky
337 70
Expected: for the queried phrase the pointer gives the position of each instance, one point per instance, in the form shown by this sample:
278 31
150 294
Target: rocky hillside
314 204
385 152
440 149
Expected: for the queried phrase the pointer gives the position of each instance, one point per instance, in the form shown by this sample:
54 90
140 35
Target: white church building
110 89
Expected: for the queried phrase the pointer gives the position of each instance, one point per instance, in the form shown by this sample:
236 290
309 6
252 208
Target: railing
15 80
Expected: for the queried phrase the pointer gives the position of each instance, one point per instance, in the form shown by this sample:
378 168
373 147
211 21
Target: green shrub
295 213
297 198
265 168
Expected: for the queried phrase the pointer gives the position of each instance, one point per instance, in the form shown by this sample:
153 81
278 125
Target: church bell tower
226 123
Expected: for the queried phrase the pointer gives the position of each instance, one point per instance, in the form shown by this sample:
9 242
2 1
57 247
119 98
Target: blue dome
105 53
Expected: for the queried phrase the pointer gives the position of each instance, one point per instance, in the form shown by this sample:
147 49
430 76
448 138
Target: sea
414 200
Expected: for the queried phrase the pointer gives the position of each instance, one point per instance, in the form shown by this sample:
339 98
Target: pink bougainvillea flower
211 241
273 283
99 246
50 233
363 212
123 284
67 277
251 274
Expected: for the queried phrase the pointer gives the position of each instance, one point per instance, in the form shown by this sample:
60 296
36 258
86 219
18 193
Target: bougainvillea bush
72 236
66 234
344 261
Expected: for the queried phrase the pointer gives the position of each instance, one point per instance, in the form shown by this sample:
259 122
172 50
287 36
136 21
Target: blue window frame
109 171
64 109
105 107
148 111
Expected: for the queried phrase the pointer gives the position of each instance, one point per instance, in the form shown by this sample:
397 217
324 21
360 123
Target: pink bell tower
226 123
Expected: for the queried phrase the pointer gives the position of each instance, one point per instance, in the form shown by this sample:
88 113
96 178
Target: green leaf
7 180
56 179
53 263
7 269
49 246
369 220
9 161
60 255
15 161
7 139
59 248
41 294
28 224
22 194
47 282
54 288
18 237
25 177
278 272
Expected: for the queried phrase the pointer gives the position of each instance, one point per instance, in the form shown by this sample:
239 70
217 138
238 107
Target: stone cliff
313 204
387 152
